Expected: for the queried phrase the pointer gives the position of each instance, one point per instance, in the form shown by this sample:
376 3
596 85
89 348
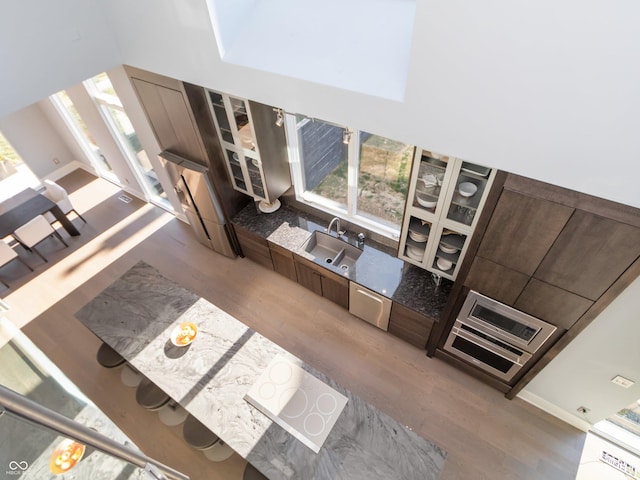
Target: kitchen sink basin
332 251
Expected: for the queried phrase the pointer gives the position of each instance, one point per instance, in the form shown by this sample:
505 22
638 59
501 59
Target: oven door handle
512 357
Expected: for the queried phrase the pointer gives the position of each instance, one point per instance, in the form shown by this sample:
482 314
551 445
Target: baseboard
67 169
75 164
554 410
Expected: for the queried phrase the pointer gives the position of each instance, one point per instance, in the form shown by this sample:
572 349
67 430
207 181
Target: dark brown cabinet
283 261
558 255
170 117
521 231
254 247
590 254
409 325
321 281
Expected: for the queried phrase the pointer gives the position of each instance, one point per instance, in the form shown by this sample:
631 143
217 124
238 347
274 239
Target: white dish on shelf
447 248
418 237
444 264
425 202
467 189
414 252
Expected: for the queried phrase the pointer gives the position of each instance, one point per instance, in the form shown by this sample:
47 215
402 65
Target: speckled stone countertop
378 268
210 377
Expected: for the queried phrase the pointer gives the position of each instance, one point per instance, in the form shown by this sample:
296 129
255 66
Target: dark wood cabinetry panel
409 325
496 281
273 149
168 113
308 277
521 231
321 281
590 254
254 247
336 290
283 261
552 304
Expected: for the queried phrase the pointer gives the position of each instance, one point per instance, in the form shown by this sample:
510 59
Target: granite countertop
210 378
378 268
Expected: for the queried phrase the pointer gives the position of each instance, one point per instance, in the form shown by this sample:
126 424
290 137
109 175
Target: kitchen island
211 377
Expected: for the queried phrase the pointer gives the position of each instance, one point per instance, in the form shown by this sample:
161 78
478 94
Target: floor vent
124 198
629 470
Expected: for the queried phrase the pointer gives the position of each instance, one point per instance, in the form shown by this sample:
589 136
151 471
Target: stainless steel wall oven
495 337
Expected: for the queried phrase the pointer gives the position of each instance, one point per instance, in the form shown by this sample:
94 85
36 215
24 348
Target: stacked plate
414 252
444 264
445 248
418 237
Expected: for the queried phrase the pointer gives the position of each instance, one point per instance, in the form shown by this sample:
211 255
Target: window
14 174
103 93
83 136
357 175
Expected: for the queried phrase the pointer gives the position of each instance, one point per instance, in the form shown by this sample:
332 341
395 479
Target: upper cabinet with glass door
445 197
258 168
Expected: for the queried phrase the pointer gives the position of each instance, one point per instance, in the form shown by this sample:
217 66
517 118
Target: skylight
357 45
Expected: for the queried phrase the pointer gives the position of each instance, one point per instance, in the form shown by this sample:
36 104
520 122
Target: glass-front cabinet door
444 199
237 137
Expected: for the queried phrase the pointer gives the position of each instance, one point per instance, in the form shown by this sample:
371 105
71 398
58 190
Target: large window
354 174
83 136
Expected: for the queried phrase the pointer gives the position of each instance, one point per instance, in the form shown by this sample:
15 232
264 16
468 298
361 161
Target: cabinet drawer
409 325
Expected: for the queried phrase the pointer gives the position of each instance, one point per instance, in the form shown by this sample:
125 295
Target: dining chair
35 231
7 255
59 196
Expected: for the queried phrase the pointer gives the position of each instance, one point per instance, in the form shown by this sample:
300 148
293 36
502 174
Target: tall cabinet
254 147
444 201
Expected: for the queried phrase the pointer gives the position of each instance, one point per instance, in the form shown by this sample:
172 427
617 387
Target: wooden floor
485 435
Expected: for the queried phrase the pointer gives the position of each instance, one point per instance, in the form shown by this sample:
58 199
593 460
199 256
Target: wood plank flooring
485 435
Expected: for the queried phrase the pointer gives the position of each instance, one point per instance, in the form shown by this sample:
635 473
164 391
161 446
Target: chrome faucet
335 220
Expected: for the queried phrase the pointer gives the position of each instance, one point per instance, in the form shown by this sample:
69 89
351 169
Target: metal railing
15 404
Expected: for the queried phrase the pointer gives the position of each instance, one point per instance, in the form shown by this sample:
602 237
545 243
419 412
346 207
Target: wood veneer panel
598 206
590 254
496 281
522 230
409 325
552 304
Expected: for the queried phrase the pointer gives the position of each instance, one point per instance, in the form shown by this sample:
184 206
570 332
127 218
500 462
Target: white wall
581 374
47 46
545 89
32 135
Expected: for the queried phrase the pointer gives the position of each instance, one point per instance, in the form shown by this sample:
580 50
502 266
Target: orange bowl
184 334
66 455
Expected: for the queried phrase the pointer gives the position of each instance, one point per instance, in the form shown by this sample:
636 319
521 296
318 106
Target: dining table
26 205
214 376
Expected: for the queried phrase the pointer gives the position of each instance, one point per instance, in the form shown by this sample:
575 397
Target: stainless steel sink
332 251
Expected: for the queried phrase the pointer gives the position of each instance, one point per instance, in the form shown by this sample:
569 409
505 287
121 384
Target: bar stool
252 473
151 397
109 358
201 438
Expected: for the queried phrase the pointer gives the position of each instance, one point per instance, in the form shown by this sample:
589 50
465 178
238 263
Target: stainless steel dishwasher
369 306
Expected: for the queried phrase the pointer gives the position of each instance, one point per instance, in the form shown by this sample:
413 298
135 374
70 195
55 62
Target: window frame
350 213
